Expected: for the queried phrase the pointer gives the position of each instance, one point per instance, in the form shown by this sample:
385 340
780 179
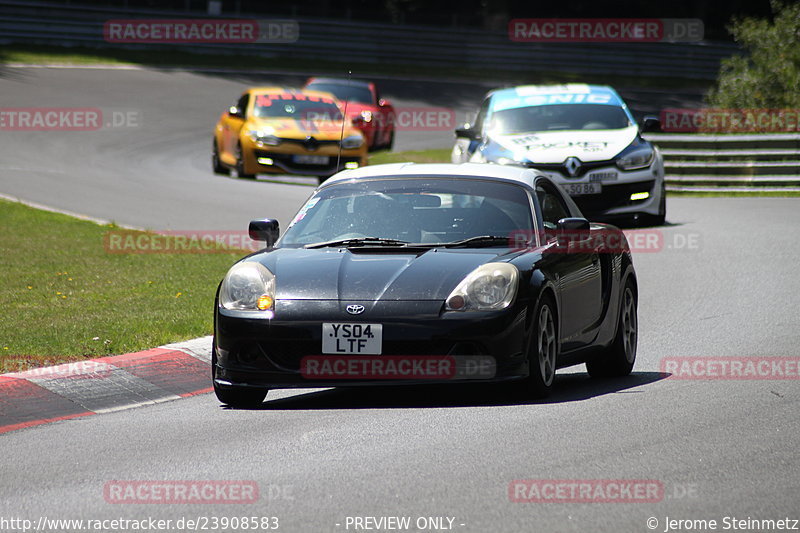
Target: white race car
582 136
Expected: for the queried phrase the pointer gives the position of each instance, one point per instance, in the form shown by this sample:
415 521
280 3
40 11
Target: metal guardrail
750 162
362 42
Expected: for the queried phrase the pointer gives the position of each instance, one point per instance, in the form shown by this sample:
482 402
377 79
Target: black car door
577 269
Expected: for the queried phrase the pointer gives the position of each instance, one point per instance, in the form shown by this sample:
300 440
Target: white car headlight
248 286
637 158
264 137
477 157
352 141
489 287
508 161
367 116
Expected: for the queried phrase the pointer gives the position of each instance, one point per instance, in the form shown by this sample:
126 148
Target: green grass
439 155
744 194
66 298
165 57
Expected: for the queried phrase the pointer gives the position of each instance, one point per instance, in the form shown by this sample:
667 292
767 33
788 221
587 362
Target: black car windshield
299 107
429 211
558 117
350 93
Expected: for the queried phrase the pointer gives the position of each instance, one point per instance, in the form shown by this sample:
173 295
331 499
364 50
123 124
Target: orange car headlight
352 141
263 137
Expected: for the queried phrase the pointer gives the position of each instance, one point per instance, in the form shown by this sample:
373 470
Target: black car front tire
542 350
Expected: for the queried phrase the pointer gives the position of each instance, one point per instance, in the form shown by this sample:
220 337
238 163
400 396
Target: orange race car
286 131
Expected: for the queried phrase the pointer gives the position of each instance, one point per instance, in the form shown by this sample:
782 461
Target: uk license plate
360 339
577 189
311 159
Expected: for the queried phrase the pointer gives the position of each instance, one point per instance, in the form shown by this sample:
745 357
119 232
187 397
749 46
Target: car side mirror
383 103
266 230
234 111
572 229
465 131
651 124
573 224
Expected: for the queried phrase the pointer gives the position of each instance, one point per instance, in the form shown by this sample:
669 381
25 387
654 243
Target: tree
770 76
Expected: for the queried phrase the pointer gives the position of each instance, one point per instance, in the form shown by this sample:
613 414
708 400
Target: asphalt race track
721 282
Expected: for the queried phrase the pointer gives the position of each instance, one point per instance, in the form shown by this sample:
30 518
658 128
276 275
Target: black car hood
342 274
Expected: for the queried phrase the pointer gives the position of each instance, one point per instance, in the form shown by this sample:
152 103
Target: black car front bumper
251 351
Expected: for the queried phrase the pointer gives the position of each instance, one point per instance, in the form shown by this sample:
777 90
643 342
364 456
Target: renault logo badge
573 165
355 309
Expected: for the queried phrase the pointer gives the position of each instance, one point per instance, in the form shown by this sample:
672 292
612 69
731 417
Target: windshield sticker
551 99
525 140
574 88
265 100
302 213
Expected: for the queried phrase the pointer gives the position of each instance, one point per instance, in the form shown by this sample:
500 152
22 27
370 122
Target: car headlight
264 137
352 141
640 157
367 116
489 287
477 157
509 161
248 286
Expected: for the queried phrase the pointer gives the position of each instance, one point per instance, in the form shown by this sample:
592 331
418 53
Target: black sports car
403 273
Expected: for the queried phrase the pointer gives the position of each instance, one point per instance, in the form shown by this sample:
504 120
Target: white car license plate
577 189
311 159
362 339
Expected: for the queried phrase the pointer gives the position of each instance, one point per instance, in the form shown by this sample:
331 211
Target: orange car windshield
297 106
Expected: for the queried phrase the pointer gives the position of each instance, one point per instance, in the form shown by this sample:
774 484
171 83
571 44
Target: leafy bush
770 76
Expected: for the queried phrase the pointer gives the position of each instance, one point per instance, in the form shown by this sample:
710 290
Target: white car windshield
558 117
297 107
